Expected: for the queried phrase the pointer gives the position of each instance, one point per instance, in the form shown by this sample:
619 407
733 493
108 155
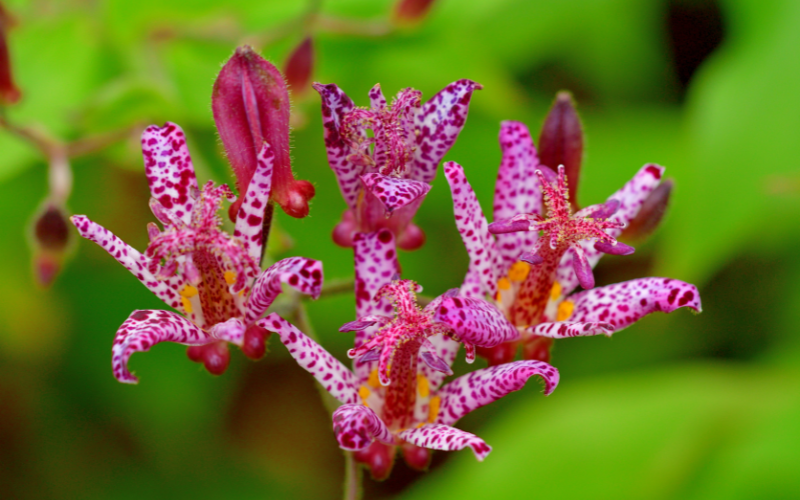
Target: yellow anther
504 284
555 292
373 380
189 291
519 271
497 297
433 408
420 424
565 310
364 392
423 386
187 305
230 277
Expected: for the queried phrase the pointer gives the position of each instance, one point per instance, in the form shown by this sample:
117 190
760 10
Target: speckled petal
623 304
475 321
631 197
357 426
165 289
444 437
376 265
473 229
250 217
438 125
231 331
392 192
376 98
169 169
565 329
329 372
517 190
335 104
145 328
481 387
304 275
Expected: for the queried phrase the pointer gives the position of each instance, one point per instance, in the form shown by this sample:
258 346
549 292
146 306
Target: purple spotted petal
444 437
565 329
623 304
582 268
475 321
250 217
169 169
481 387
473 229
132 260
329 371
376 98
517 190
335 104
392 192
143 329
357 426
438 125
631 197
376 265
230 331
304 275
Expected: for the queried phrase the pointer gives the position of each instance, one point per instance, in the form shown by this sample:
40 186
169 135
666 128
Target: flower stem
352 477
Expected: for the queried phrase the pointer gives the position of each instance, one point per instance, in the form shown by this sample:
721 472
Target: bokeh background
677 406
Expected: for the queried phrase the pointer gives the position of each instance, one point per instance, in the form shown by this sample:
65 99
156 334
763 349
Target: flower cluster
518 290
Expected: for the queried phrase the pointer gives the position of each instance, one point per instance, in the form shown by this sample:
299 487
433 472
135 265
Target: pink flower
541 251
394 396
384 177
212 278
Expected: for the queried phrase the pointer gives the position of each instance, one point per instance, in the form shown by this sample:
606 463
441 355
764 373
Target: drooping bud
416 457
251 106
51 237
537 349
410 12
651 213
299 67
215 357
255 342
561 142
378 457
9 93
499 354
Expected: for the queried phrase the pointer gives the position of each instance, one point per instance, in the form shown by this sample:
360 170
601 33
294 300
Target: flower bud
9 93
251 106
215 356
651 213
379 459
537 349
417 457
561 142
299 67
255 342
51 237
409 12
499 354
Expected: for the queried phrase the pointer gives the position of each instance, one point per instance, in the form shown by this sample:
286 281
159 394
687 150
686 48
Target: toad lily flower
385 177
394 397
541 254
212 278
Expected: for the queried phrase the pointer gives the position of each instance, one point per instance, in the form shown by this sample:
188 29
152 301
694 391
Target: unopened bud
417 457
499 354
51 237
215 357
538 349
561 142
251 106
379 459
408 12
651 213
9 93
299 67
255 342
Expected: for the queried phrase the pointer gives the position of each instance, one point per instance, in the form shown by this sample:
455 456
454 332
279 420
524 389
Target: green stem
352 477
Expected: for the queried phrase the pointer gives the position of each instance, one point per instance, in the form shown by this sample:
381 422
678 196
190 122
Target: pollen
187 305
373 380
189 291
433 408
519 271
555 292
423 387
504 284
230 277
565 310
363 392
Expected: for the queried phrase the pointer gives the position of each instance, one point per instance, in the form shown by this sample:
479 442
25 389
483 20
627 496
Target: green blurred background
677 406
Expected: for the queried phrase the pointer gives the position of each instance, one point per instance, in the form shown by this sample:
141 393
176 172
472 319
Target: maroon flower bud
215 357
299 67
251 106
499 354
416 457
9 93
408 12
538 349
561 142
379 459
51 237
255 342
651 213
